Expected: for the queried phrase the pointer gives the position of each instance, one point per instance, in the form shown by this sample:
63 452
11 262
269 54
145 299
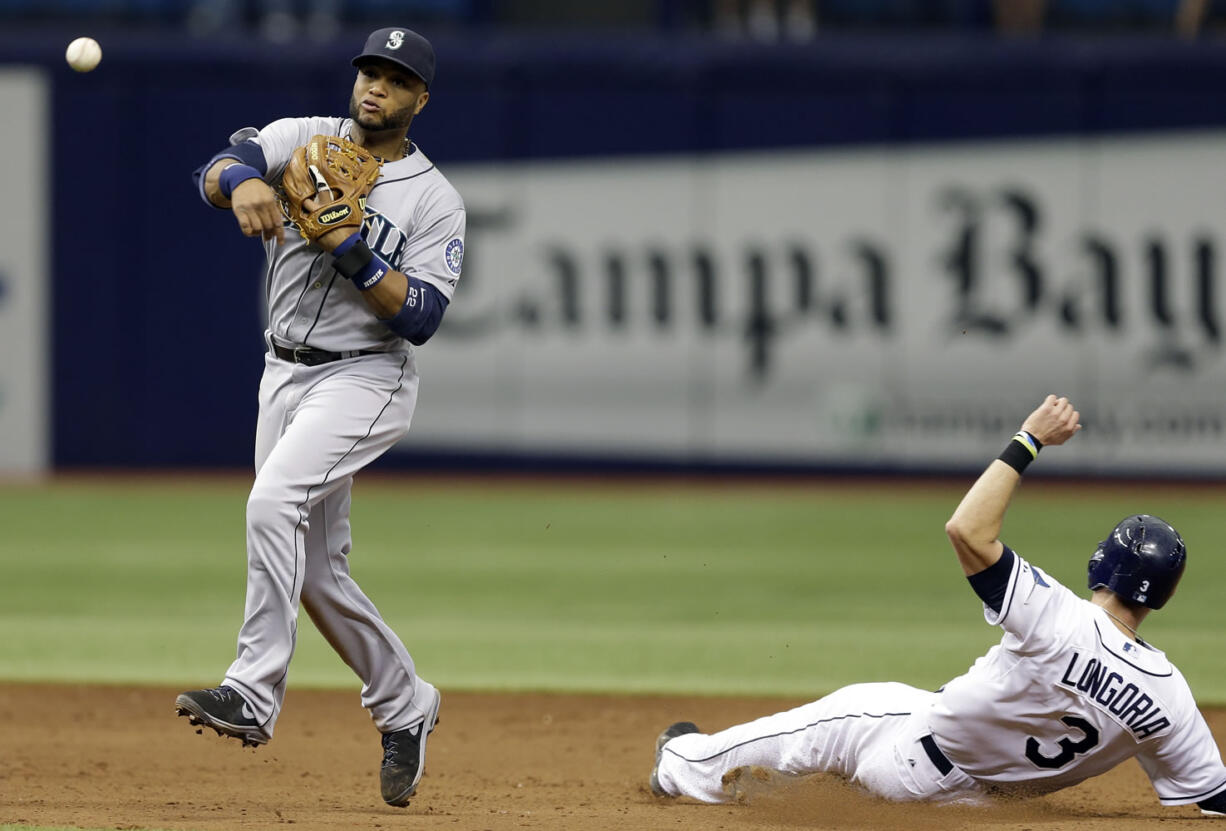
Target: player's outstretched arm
974 528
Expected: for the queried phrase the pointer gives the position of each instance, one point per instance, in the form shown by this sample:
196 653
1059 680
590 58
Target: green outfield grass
786 589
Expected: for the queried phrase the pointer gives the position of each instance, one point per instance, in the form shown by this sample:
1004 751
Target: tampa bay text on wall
890 306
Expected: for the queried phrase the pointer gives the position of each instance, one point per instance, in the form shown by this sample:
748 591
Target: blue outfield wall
156 299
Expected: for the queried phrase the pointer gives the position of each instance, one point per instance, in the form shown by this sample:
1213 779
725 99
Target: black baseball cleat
681 728
224 710
404 758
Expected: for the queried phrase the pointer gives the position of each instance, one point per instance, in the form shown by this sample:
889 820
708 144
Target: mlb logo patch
455 255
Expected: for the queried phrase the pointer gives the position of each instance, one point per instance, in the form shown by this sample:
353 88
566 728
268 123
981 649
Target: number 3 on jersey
1068 748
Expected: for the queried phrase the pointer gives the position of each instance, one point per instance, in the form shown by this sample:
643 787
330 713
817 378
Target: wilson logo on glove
337 179
333 217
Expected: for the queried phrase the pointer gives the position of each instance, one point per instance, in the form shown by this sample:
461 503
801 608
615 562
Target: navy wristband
355 261
234 175
345 247
369 277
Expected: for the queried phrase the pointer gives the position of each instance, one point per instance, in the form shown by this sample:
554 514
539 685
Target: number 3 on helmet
1141 560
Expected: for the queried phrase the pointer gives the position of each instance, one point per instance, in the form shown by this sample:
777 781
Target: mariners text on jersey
1104 687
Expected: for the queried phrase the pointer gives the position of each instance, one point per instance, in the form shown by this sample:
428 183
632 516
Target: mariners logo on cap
395 39
455 255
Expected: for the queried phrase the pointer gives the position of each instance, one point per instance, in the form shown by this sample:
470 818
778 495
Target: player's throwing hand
257 210
1054 422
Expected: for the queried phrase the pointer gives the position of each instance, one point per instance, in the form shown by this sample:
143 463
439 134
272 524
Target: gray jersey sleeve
281 138
427 241
435 254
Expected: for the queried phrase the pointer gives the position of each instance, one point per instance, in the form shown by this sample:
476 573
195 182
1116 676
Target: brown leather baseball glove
334 175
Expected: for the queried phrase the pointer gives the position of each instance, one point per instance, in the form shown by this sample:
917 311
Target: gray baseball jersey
319 425
415 221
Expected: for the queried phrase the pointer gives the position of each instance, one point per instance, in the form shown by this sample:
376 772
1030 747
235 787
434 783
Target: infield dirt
117 757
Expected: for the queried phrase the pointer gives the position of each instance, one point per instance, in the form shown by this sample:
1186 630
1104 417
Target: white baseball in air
83 54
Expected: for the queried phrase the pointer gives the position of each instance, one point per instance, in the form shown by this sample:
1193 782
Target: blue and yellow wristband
1022 449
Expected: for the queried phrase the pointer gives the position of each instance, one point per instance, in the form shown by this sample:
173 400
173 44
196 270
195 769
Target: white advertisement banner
24 271
885 307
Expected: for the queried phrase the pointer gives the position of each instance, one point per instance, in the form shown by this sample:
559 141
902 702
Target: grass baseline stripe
782 588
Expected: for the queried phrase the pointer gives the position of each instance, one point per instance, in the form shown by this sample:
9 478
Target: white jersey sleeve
1033 610
1184 764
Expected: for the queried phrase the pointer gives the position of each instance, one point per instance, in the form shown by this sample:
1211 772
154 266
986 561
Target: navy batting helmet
1141 560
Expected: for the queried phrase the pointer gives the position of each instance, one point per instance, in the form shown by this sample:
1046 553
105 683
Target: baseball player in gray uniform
1070 692
339 389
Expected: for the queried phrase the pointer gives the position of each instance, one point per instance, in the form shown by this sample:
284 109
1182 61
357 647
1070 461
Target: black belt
314 357
938 758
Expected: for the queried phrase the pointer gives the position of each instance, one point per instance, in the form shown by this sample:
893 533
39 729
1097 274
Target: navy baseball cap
401 46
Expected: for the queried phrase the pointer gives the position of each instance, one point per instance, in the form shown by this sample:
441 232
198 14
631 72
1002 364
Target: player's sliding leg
853 732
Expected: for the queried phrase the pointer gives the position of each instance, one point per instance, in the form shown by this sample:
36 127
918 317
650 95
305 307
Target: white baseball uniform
1064 696
319 425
